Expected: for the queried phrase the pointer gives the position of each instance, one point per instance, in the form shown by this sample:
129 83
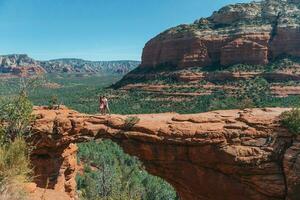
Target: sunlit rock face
268 30
232 154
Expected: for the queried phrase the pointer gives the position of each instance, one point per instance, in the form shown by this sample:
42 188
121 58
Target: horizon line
75 58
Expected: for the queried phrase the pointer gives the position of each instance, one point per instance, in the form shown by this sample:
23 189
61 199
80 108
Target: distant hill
79 65
23 65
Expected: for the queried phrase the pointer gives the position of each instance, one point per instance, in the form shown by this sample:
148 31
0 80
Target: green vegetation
252 92
111 174
15 116
166 73
130 122
53 102
74 90
280 63
14 169
291 120
81 93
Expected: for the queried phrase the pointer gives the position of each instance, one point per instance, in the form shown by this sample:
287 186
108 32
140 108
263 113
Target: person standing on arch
103 105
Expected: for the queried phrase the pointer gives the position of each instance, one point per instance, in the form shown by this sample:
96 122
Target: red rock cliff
234 154
250 33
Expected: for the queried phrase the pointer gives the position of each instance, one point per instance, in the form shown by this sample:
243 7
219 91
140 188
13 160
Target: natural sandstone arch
219 155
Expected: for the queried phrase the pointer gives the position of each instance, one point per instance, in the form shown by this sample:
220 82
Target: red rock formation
250 48
291 166
217 155
25 71
55 168
286 41
47 194
244 51
250 33
284 91
182 52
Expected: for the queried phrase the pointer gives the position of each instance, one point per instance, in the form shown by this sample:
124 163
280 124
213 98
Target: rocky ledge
232 154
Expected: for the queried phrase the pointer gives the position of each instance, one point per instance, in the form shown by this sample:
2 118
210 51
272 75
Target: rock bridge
219 155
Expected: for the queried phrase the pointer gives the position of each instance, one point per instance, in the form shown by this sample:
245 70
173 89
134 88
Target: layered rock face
244 51
20 65
233 154
183 52
56 168
287 41
250 33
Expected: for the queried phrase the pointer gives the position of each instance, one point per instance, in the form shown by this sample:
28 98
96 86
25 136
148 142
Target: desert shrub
245 67
218 103
283 62
53 102
248 93
291 120
252 91
14 169
15 116
130 122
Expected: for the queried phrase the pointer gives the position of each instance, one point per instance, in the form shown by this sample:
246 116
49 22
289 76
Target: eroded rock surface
233 154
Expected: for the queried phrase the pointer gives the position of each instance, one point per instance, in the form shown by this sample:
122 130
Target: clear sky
92 29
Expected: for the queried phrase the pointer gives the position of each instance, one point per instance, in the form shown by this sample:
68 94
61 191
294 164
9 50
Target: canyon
230 154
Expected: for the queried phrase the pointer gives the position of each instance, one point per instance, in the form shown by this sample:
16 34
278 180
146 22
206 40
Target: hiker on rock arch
103 105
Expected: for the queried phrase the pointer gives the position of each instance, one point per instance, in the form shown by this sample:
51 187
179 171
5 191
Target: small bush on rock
16 115
53 103
14 169
291 120
130 122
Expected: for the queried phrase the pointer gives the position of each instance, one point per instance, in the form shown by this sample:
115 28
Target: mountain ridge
23 65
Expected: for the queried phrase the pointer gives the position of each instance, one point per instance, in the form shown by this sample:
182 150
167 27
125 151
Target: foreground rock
218 155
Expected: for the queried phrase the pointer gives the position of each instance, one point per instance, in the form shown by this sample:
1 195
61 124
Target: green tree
252 92
291 120
15 116
109 173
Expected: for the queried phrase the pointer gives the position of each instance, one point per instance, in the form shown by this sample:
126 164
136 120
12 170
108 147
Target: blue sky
92 29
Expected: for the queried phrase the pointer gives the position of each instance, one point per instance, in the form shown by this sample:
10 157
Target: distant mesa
248 33
21 65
